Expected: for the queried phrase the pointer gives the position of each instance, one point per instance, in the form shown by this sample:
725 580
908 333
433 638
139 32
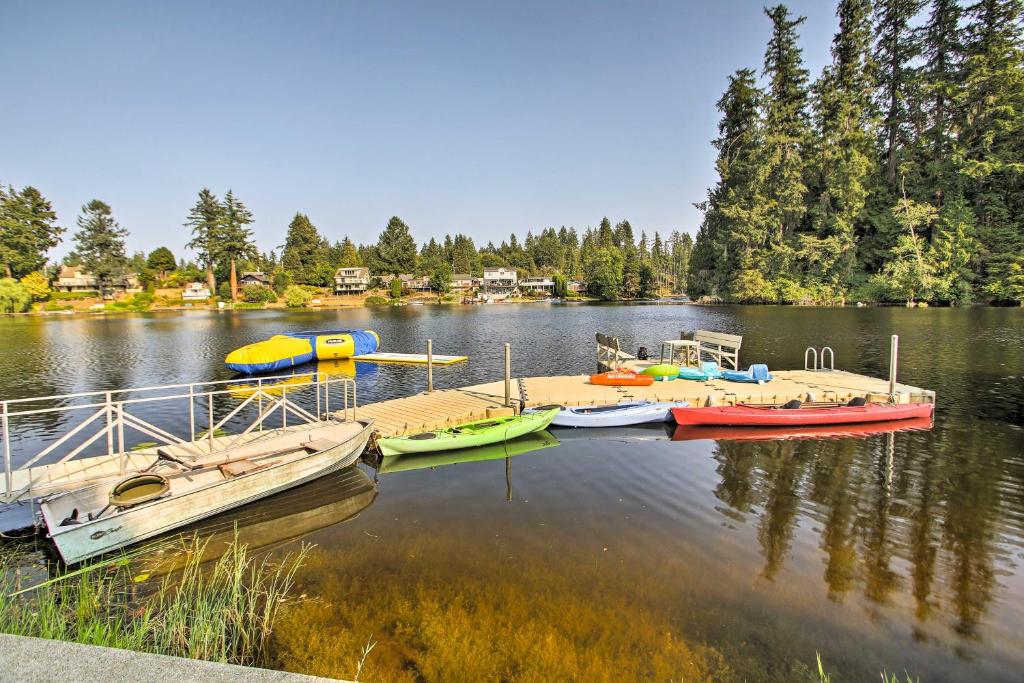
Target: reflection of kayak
864 429
778 416
286 516
618 415
469 435
654 431
418 461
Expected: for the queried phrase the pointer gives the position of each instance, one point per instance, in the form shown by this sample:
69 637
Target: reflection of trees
972 508
932 500
782 469
831 485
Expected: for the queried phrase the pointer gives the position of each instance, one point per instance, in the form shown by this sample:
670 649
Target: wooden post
430 365
8 476
508 375
894 349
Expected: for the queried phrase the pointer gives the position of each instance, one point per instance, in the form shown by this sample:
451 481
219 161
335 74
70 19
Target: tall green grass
222 611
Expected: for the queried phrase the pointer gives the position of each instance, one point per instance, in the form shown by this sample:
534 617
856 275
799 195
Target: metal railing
201 417
811 359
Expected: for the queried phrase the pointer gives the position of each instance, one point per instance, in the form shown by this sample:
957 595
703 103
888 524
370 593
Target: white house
195 291
500 281
542 285
351 280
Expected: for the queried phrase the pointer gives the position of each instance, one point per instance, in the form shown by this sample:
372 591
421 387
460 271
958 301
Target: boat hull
79 542
622 415
771 416
445 440
814 432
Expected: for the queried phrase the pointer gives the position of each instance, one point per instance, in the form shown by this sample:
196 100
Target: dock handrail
813 353
306 398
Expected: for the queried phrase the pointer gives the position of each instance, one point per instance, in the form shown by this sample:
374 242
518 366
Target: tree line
897 175
611 259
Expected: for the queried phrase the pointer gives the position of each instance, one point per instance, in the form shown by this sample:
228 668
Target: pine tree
161 261
205 221
396 248
844 152
991 140
234 238
303 251
786 128
99 244
734 224
349 256
897 47
28 230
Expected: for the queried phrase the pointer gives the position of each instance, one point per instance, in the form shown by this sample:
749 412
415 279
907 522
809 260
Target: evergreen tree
844 151
205 221
99 244
897 47
349 256
786 128
734 224
28 230
234 238
991 140
396 248
303 252
161 261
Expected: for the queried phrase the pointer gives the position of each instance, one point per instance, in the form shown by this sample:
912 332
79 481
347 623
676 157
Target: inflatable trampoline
284 351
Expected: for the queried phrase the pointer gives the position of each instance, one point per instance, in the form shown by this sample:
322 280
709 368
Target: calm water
626 554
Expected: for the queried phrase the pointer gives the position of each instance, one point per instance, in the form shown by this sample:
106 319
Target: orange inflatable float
621 378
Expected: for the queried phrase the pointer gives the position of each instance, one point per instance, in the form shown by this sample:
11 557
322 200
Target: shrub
297 296
396 288
224 291
281 281
37 286
258 294
375 301
73 296
14 298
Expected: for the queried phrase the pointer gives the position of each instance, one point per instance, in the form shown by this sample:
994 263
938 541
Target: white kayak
617 415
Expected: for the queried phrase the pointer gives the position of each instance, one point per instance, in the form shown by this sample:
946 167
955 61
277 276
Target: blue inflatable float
295 348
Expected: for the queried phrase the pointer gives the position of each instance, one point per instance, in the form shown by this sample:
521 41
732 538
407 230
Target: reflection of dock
444 408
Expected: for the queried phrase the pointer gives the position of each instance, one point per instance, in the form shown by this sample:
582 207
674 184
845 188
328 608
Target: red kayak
864 429
621 378
777 416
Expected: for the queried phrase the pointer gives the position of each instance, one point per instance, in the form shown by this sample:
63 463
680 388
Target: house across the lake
354 280
254 277
195 291
77 279
576 287
499 282
538 285
462 282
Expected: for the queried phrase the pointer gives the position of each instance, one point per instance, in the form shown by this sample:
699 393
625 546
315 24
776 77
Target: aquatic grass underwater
222 611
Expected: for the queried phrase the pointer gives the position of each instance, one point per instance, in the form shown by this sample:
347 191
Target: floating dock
447 407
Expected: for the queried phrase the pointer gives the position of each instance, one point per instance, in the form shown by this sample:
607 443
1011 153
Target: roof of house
359 268
255 275
499 269
72 271
461 276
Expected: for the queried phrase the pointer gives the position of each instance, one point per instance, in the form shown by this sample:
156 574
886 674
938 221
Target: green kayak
496 451
469 435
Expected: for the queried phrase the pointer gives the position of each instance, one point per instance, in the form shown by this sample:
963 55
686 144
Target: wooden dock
448 407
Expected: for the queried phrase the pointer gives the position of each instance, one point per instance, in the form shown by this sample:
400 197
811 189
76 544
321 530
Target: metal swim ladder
811 358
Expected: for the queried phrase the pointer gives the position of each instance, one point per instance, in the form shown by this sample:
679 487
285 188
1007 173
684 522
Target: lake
628 555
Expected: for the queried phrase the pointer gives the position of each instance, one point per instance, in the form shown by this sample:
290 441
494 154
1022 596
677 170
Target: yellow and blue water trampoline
287 350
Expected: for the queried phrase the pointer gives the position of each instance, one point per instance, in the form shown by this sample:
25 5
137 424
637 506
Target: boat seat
318 445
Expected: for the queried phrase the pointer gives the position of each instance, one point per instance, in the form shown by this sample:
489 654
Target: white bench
723 348
609 353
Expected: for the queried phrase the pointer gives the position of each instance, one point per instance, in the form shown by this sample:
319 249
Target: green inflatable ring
663 372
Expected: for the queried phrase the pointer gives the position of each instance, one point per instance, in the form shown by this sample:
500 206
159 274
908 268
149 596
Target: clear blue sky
473 117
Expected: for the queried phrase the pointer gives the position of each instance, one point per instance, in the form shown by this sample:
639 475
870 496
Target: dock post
110 425
7 453
209 430
122 466
430 365
191 412
894 349
508 375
